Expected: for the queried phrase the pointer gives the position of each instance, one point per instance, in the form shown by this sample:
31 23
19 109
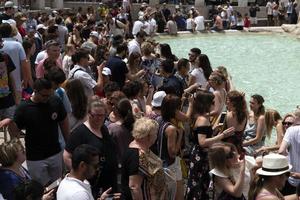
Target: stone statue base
292 28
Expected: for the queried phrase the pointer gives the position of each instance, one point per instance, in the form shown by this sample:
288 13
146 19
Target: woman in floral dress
198 178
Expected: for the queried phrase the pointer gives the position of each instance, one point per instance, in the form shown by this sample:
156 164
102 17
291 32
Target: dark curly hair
202 102
169 106
237 99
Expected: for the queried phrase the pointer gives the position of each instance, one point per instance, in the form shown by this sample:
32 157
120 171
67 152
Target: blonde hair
147 48
9 152
144 127
271 116
95 102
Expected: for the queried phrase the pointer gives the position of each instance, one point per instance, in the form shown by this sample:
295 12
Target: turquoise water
267 64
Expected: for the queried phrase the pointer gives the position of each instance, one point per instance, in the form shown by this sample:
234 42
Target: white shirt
269 8
72 188
199 75
292 138
189 24
147 27
134 46
86 79
62 34
199 20
137 26
41 56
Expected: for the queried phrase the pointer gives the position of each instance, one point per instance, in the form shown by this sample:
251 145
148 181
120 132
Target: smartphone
53 185
222 119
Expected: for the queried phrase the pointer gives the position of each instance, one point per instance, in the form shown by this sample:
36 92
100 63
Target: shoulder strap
161 135
79 69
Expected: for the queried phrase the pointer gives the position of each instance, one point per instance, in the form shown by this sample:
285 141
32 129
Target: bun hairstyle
217 77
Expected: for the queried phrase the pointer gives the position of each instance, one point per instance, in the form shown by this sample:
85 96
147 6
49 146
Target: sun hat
9 4
10 22
274 165
158 98
106 71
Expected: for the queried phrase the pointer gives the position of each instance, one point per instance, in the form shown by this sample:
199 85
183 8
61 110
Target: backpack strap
161 135
79 69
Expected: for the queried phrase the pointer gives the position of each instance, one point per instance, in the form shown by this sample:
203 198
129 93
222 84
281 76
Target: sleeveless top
267 194
250 133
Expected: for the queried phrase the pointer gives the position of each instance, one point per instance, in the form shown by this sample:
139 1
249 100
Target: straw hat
274 165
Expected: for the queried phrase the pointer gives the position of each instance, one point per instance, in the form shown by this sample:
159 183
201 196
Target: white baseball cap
95 34
106 71
9 4
41 26
158 98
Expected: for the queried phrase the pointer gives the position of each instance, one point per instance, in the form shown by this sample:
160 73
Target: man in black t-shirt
41 116
117 66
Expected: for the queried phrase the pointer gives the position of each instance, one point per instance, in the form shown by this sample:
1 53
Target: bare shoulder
202 121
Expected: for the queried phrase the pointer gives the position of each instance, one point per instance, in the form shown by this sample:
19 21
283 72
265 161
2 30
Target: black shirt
6 67
107 151
118 70
172 85
4 16
253 11
40 120
130 167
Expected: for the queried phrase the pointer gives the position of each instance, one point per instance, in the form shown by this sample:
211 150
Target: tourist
236 117
22 73
217 82
142 174
201 72
78 99
95 133
288 121
85 164
115 26
202 137
120 130
75 37
154 112
199 22
43 113
135 44
171 27
9 10
166 52
139 25
253 13
63 32
247 21
289 147
52 55
190 24
91 43
229 84
229 175
12 173
135 71
169 139
269 10
254 135
8 97
270 179
193 55
171 84
273 119
67 59
80 71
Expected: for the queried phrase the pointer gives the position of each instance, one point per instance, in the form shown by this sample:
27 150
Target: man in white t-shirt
290 147
199 21
269 9
135 44
138 26
85 163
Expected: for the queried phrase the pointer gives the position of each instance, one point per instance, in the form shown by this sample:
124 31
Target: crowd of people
106 112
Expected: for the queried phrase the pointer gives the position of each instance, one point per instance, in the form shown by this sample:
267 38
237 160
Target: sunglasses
287 123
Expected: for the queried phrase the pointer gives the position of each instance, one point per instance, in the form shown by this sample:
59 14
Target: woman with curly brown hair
236 117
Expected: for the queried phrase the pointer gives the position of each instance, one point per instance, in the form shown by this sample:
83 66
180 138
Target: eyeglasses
230 155
96 115
287 123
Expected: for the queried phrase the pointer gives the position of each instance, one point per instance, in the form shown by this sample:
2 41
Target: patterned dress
199 178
